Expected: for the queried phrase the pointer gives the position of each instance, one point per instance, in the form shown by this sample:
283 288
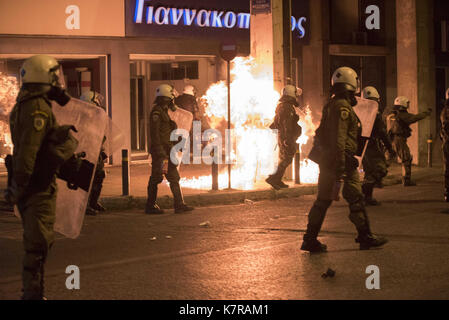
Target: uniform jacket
161 127
189 103
31 120
403 120
337 137
286 120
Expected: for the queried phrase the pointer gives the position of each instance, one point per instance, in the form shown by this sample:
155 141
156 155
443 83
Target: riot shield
183 118
115 138
366 110
91 122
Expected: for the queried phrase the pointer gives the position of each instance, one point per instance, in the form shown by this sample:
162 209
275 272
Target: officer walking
444 134
374 161
286 122
335 145
161 127
33 186
398 125
93 206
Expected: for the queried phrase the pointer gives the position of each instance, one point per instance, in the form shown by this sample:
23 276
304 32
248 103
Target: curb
234 197
208 199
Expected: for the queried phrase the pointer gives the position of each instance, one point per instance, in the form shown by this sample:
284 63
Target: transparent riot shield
366 111
91 123
115 138
183 118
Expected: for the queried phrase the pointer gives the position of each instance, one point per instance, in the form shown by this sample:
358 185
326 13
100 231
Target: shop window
174 70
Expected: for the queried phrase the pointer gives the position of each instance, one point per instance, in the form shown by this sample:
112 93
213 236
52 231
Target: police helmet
402 102
348 78
291 91
370 93
93 97
40 69
165 90
190 90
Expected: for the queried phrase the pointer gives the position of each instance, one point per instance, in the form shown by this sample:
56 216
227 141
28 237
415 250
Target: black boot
368 192
283 185
407 175
365 237
316 218
178 199
273 182
151 206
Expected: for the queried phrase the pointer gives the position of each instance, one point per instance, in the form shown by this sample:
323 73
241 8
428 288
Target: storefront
125 49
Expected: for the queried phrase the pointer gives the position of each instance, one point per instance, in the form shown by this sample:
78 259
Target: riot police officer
286 124
33 185
187 101
335 145
161 127
374 162
398 125
444 134
93 206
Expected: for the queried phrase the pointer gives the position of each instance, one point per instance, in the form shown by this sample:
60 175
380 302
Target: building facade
125 48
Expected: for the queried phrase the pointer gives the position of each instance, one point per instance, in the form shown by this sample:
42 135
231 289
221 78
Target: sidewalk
113 200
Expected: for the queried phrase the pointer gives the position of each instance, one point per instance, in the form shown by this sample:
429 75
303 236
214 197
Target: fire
9 90
254 144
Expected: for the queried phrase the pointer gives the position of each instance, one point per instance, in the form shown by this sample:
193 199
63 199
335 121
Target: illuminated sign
201 18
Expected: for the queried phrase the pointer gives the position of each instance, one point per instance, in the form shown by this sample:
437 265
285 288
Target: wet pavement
247 251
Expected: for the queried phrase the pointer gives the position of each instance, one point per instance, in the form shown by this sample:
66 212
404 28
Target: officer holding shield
374 161
336 143
161 127
33 186
93 206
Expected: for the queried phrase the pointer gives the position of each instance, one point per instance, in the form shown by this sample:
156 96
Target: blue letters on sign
203 18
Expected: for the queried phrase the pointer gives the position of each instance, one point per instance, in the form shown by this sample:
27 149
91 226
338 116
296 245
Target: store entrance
147 72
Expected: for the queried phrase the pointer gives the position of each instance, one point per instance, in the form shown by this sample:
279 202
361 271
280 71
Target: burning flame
254 144
9 90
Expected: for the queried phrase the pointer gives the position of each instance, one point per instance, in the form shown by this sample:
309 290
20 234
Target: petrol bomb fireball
254 145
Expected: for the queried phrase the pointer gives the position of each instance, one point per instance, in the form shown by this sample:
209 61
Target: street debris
276 216
328 274
152 239
168 237
205 224
247 201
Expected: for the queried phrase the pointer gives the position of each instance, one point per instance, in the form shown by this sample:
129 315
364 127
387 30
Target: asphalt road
248 251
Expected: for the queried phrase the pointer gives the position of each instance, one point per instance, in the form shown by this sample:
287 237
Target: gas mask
171 105
352 98
57 92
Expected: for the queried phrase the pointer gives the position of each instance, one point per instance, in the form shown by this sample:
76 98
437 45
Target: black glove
13 193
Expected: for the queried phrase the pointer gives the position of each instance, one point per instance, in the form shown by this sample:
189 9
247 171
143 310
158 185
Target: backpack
392 121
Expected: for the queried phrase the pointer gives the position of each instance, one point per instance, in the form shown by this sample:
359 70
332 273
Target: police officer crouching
161 127
286 124
374 162
335 145
93 206
33 183
398 126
